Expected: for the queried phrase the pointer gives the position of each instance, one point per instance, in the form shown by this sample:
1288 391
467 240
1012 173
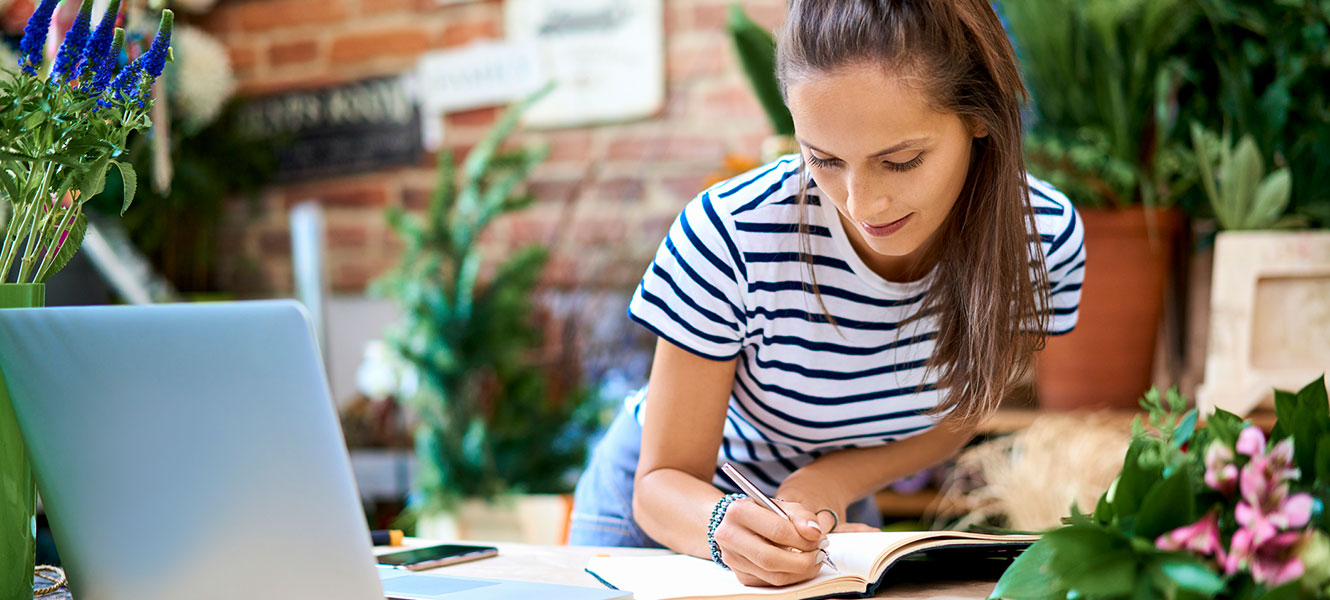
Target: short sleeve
691 293
1065 258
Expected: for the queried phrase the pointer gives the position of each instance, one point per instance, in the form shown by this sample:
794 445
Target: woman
843 317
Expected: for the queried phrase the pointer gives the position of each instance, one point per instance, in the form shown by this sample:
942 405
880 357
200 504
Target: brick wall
607 194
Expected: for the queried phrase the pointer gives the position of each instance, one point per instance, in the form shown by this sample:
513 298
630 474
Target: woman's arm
687 398
836 479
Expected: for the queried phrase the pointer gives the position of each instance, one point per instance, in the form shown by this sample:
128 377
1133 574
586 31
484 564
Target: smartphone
429 557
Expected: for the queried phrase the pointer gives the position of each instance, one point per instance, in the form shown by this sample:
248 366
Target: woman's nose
864 199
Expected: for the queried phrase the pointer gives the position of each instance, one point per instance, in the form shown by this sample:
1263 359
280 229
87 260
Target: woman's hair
989 293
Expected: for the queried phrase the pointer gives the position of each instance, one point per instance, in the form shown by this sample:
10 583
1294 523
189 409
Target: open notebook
864 560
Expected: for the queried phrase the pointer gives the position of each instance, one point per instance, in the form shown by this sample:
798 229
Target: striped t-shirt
729 280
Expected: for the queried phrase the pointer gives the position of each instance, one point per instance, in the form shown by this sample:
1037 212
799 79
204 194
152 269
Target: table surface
566 565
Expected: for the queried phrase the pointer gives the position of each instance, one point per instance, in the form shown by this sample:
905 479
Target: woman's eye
904 166
823 163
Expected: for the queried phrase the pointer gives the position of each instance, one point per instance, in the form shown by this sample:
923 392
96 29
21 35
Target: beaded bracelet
717 514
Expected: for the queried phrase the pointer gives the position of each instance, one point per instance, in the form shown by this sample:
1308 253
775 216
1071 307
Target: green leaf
69 248
1170 504
1186 427
1288 591
1027 579
93 180
34 120
1185 573
9 185
1323 459
1271 199
1224 426
1092 560
478 160
1134 481
130 178
757 53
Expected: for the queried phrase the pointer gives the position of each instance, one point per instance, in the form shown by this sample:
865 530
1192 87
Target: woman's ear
980 130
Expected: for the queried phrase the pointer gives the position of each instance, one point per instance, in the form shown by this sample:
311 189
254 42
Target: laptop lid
188 451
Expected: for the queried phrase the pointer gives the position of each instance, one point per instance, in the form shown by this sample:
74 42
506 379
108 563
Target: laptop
193 451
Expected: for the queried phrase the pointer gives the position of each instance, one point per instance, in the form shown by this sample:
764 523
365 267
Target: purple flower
100 54
70 57
155 59
1273 562
34 37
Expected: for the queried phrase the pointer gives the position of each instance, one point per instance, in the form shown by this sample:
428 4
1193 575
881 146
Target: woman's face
892 164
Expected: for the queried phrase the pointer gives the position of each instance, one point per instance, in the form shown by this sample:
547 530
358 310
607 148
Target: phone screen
429 557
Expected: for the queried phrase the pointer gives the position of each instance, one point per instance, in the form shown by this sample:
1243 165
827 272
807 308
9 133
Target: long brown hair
990 290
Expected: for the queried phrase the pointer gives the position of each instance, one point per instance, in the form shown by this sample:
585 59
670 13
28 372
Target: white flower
201 80
381 371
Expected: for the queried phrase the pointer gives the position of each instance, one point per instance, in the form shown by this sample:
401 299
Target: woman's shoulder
1056 219
776 183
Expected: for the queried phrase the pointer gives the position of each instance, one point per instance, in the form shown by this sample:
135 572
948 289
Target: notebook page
681 576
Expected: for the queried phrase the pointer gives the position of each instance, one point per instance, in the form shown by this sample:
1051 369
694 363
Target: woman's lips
888 229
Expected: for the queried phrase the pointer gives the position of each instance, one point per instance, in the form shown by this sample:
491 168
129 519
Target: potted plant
60 132
490 423
1103 82
1199 510
756 49
1250 207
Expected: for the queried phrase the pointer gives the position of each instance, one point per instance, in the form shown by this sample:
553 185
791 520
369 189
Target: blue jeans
603 501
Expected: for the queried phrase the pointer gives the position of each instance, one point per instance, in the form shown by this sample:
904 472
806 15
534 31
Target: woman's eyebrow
896 148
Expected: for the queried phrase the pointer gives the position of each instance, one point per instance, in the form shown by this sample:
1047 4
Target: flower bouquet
61 130
1199 511
60 134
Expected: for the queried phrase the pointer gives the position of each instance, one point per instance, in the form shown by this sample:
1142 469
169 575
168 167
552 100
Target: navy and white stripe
729 281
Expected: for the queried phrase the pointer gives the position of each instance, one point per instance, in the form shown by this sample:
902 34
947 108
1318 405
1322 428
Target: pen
751 490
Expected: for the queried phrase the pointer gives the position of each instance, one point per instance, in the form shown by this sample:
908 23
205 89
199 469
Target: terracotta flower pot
1106 362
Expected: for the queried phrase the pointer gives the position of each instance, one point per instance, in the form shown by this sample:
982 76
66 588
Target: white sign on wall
607 58
475 76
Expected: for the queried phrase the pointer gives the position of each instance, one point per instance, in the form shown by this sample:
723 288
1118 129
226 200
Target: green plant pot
18 492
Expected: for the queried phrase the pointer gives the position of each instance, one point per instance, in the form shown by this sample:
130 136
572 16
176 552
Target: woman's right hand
765 549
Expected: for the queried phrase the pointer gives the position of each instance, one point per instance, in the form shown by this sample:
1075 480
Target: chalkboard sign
351 128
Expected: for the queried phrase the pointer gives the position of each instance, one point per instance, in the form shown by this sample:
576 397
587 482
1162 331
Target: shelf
1008 420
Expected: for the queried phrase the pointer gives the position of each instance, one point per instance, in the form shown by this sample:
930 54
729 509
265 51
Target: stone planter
1269 317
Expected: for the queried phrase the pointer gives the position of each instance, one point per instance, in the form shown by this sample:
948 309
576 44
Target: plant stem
55 242
30 247
13 248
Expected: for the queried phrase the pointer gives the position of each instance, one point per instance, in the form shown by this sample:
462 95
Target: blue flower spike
100 55
70 57
34 37
130 83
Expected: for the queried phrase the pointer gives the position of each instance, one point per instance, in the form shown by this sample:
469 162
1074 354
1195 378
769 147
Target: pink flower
1251 441
1274 562
1201 537
1220 472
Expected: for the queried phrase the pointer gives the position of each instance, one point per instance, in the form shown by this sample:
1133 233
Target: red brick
525 229
685 187
263 15
547 190
697 148
343 197
731 101
461 34
275 242
713 16
621 190
713 57
294 52
416 199
480 117
243 58
353 277
378 7
404 42
560 272
635 147
569 145
600 231
347 237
